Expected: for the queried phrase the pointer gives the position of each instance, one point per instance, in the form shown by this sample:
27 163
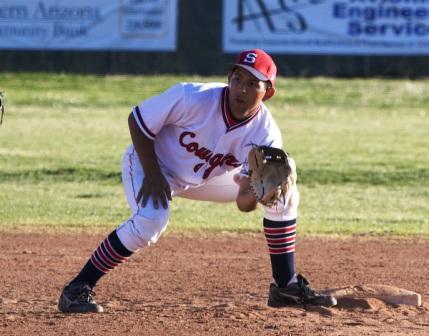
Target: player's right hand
245 200
155 186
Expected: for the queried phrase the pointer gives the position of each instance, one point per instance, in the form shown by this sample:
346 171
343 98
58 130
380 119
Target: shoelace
305 290
86 295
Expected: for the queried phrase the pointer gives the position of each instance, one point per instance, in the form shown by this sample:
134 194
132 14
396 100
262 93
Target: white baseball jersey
196 137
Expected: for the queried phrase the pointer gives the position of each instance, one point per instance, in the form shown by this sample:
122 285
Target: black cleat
77 298
298 293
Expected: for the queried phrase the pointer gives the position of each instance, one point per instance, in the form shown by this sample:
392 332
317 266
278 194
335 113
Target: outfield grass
361 147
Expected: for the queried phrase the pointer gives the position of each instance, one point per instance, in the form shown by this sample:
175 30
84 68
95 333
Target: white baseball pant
146 225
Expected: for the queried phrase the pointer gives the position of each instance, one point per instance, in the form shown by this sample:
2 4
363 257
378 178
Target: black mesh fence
199 51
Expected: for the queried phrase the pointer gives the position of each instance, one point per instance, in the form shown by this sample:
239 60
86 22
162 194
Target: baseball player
192 141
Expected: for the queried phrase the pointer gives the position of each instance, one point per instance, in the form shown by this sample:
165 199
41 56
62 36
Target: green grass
361 147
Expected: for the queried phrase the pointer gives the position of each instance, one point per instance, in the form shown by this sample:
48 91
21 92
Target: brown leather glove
270 174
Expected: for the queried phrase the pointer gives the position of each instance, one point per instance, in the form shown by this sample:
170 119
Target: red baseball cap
259 64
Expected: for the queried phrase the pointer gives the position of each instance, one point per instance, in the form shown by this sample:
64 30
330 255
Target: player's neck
236 114
239 116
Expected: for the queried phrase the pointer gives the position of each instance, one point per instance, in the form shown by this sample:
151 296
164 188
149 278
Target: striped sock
109 254
280 238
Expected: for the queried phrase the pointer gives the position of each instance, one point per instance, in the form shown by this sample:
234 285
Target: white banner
377 27
88 25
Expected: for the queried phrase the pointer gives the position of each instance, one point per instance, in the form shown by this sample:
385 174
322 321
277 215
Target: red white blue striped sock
281 238
108 255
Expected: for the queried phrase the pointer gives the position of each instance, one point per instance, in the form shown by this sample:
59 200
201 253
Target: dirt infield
209 285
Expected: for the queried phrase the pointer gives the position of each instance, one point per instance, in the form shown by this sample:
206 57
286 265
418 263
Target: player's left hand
271 174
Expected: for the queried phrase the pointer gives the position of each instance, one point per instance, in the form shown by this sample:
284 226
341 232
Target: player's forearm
246 200
144 147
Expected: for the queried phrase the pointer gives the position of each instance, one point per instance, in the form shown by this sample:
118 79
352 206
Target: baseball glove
270 174
1 107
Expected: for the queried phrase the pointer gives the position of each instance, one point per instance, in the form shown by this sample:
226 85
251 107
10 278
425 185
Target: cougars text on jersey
213 159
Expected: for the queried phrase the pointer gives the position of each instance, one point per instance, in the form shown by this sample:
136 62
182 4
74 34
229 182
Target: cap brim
254 72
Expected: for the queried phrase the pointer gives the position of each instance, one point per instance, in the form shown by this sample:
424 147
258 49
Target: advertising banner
88 25
354 27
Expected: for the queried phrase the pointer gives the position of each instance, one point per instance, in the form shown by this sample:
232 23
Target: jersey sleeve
165 109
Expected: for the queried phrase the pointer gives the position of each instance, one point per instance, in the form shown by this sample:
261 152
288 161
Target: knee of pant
149 229
286 211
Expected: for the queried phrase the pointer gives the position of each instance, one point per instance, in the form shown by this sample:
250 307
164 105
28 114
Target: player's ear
269 93
230 75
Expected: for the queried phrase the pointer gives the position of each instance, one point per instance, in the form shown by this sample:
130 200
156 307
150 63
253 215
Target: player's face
246 93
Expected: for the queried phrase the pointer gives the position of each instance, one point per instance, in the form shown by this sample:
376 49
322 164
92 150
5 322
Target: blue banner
367 27
88 25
